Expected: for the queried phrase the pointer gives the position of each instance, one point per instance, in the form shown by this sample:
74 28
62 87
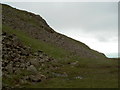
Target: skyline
87 22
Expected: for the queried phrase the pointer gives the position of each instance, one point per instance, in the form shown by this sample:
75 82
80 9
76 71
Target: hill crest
37 27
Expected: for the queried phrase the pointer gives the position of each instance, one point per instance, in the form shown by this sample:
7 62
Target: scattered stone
17 57
37 78
32 69
17 71
9 68
78 77
23 81
34 62
60 75
22 65
27 64
74 63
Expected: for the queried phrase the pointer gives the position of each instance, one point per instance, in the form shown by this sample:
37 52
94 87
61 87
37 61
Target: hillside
35 53
36 27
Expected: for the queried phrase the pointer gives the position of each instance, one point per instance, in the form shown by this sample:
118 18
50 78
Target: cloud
94 23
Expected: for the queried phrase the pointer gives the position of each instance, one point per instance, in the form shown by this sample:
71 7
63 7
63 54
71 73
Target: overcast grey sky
93 23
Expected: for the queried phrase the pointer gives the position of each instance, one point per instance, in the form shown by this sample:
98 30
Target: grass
36 45
95 72
92 78
88 82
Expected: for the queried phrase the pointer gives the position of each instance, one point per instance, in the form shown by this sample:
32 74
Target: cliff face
36 27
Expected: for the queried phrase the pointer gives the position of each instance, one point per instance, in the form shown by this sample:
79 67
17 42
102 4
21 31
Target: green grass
95 72
35 44
92 78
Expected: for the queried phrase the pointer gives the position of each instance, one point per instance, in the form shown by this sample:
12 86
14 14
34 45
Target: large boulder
32 69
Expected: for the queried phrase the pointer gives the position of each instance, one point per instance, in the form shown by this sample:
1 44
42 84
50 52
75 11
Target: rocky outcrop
18 58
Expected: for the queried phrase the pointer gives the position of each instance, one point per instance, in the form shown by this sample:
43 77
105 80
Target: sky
93 23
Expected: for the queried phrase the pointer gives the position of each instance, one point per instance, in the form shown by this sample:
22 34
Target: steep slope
21 65
35 56
36 27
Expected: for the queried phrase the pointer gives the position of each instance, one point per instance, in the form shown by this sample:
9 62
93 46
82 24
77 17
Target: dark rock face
28 22
18 58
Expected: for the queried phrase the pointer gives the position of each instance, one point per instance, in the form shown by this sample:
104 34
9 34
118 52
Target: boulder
17 71
22 65
34 61
37 78
9 68
74 63
32 69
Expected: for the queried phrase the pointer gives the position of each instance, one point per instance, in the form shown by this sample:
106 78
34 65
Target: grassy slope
37 44
19 15
95 73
